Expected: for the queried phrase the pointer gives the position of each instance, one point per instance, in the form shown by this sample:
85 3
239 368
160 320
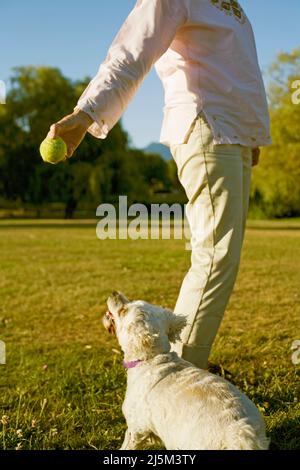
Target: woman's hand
72 129
255 156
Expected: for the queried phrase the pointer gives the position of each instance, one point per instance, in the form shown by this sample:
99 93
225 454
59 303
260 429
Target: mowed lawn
63 384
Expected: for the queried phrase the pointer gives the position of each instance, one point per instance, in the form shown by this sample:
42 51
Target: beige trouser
216 179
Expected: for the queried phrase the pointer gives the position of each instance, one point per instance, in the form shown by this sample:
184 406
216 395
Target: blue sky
75 35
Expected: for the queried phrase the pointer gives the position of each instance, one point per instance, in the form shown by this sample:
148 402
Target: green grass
63 384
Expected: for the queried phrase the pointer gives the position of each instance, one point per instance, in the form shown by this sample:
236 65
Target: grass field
63 384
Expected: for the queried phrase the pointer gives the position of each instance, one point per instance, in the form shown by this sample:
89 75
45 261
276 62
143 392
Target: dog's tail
242 435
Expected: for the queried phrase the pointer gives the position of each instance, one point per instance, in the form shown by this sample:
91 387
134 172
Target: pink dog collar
131 364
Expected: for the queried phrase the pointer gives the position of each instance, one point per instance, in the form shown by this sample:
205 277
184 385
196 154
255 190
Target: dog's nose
115 294
114 297
118 297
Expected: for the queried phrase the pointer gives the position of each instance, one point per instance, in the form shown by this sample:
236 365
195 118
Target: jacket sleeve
145 35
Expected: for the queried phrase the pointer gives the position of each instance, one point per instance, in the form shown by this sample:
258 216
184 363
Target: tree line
101 170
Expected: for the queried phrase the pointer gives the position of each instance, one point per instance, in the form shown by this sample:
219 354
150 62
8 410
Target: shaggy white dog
168 399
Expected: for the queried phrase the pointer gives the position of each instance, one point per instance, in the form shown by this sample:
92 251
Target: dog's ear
176 325
142 339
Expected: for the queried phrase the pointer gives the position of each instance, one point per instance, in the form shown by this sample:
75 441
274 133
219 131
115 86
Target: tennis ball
53 150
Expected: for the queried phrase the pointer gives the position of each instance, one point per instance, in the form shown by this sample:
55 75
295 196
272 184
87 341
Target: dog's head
143 330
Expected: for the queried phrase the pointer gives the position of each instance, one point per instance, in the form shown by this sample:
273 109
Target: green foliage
100 170
276 182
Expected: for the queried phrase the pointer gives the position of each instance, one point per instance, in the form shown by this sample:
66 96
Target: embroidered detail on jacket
232 8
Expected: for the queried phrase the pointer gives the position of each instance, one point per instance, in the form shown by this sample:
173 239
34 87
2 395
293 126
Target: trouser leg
217 182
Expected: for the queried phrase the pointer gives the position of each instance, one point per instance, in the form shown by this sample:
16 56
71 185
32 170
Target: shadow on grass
275 228
50 225
285 436
73 224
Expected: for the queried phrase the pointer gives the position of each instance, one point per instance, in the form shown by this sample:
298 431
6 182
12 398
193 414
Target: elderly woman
215 119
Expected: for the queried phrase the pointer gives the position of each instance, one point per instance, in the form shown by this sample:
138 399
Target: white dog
170 401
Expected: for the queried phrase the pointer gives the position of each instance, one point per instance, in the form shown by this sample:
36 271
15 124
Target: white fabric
204 52
216 179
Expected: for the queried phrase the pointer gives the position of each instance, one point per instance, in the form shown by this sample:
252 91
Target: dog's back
191 409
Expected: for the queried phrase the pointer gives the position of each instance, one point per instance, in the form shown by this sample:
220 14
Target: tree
39 96
100 171
276 181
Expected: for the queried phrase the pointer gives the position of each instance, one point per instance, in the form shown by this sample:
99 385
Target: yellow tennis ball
53 150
